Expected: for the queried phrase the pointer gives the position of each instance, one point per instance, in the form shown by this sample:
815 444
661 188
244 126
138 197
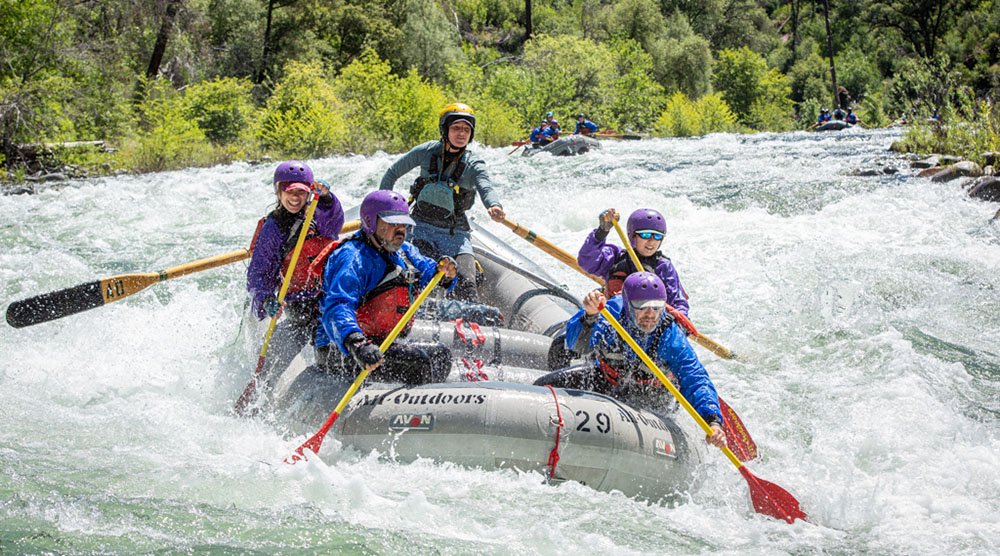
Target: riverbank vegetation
175 83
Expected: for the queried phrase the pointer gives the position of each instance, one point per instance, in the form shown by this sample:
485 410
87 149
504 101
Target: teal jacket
473 179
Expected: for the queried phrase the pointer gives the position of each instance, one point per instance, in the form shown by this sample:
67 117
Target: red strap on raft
554 454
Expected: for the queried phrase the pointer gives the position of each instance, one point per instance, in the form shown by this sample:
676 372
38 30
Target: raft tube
833 125
567 145
602 442
530 299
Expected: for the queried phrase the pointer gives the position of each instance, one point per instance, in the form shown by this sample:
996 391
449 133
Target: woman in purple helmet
369 280
272 247
612 368
645 230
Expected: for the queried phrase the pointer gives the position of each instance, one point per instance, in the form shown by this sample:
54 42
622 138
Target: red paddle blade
770 499
314 442
737 437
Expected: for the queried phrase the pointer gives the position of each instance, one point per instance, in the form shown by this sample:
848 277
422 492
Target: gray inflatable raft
567 145
602 443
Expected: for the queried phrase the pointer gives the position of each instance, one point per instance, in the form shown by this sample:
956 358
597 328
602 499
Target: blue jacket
597 258
264 271
541 134
353 270
674 354
590 126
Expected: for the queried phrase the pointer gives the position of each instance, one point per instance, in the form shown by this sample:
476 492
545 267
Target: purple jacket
597 258
264 272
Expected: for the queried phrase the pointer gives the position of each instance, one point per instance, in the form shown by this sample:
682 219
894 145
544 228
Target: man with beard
615 370
369 281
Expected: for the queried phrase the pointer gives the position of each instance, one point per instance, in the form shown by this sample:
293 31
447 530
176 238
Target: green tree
432 43
634 99
757 95
682 60
921 23
810 79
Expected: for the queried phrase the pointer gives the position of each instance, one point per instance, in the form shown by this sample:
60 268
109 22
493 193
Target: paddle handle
666 382
549 248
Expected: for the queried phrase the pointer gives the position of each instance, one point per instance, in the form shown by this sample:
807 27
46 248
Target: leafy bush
222 108
857 74
810 80
634 99
684 117
167 139
304 118
385 111
757 95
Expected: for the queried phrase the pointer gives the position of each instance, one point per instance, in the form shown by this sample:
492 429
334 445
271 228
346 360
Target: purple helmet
388 205
643 290
292 170
643 220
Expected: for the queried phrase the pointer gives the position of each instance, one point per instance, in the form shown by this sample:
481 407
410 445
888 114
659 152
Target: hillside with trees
176 83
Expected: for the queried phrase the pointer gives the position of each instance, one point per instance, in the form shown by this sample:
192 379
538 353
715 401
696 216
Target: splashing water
864 311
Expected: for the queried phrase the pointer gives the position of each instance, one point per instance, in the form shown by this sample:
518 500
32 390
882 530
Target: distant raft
602 443
567 145
833 125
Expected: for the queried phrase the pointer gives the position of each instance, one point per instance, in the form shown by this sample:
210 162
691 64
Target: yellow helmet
456 111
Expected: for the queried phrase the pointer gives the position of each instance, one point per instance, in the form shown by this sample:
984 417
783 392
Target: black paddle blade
770 499
54 305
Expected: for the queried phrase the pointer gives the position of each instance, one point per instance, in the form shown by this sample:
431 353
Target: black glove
325 199
271 306
604 225
364 352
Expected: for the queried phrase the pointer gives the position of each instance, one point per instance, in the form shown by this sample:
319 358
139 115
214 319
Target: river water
865 312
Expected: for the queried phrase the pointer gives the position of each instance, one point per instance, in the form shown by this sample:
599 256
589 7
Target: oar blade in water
737 436
54 305
770 499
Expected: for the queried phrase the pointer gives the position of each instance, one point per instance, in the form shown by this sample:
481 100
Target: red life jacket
382 307
314 244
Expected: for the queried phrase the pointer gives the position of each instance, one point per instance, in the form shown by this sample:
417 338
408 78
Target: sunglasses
647 235
651 304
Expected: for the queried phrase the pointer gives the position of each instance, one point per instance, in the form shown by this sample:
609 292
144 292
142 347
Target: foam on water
864 311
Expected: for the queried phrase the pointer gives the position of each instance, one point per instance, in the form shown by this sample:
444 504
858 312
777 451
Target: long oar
62 303
736 431
250 392
316 441
768 498
549 248
704 341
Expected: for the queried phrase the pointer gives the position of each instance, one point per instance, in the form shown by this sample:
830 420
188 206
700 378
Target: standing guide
450 177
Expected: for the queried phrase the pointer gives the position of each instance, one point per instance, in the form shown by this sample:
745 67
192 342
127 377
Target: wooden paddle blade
737 436
770 499
54 305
